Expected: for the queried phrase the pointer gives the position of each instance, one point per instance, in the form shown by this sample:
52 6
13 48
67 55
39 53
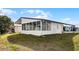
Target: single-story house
38 26
69 28
77 28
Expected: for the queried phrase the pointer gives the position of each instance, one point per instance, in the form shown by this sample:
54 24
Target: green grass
54 42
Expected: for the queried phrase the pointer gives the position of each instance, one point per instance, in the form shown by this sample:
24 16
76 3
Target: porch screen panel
46 25
23 27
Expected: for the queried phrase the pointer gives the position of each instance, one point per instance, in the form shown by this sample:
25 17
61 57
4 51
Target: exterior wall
18 27
28 20
38 33
56 27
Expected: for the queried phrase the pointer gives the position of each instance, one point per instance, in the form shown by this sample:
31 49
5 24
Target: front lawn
54 42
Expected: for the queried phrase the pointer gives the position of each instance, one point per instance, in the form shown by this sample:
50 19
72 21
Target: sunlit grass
4 41
76 42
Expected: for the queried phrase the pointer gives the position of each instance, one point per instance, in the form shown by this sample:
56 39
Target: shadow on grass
55 42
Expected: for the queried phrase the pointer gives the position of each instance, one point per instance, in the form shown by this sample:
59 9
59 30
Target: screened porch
38 25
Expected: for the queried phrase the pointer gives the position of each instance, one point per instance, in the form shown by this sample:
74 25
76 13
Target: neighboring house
69 27
37 26
77 27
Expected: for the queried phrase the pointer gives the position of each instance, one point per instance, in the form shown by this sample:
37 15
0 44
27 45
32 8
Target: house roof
40 19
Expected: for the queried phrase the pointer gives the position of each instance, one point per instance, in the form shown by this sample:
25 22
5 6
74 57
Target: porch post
32 25
46 25
36 26
26 26
41 25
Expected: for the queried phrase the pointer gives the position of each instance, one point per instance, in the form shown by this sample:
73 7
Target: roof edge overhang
43 19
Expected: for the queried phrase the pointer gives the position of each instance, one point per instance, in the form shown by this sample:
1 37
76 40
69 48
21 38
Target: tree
5 23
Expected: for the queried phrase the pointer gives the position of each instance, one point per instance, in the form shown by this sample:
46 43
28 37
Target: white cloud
6 11
41 14
67 19
30 11
27 11
37 13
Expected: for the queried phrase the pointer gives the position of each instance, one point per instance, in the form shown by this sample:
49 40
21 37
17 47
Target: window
38 26
28 26
23 27
31 26
46 25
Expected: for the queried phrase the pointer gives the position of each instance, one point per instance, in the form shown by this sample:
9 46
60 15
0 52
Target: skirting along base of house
39 33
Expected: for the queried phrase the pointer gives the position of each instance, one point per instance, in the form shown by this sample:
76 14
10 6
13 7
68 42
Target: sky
66 15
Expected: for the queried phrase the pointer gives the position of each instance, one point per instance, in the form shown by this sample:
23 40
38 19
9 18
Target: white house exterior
36 26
